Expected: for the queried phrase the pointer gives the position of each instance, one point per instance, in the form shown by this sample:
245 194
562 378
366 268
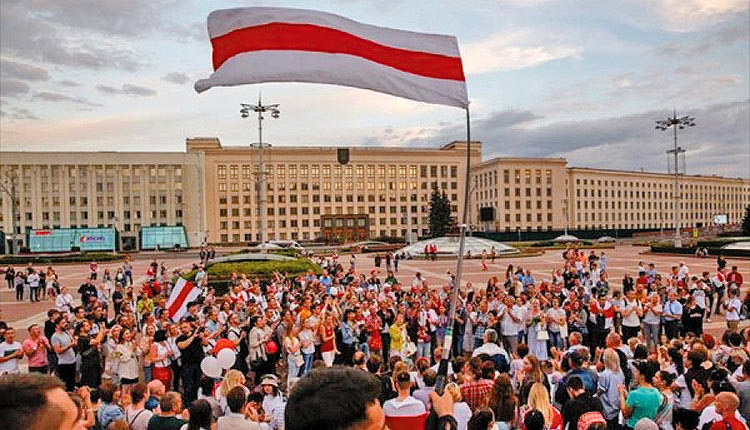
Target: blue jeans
148 372
423 349
652 334
308 362
556 339
292 368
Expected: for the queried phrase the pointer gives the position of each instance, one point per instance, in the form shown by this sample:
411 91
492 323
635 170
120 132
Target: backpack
589 418
501 363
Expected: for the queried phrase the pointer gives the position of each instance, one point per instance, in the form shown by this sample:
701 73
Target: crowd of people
348 349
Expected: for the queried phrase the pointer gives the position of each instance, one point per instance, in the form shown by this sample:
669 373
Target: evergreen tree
746 222
440 213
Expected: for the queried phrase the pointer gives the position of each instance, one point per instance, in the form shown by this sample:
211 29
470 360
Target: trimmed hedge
85 257
262 269
219 273
287 252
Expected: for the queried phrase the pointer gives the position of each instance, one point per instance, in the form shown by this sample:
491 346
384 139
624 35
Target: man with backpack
581 405
496 351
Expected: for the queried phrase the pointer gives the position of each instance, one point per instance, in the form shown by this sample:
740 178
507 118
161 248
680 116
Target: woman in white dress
536 321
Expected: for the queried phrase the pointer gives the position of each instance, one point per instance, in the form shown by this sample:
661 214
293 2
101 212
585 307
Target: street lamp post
10 190
676 123
260 109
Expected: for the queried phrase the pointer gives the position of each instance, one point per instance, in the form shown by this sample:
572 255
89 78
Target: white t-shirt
632 320
735 314
710 415
652 318
137 419
556 314
10 366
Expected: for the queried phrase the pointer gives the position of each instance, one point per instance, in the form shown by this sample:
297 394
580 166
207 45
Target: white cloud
689 15
519 50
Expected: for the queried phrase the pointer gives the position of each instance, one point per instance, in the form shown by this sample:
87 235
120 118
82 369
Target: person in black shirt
191 350
10 273
117 298
87 290
387 316
580 403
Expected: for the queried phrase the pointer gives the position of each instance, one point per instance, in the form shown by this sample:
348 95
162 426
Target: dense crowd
347 349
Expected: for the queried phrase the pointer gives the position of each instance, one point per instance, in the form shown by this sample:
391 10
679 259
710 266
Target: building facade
525 193
125 190
392 186
216 192
645 201
538 194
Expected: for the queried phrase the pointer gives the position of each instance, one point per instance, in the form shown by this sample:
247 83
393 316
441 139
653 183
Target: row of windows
315 170
316 210
316 222
316 186
659 185
327 198
527 192
488 179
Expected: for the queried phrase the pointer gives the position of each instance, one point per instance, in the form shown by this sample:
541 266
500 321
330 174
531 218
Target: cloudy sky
580 79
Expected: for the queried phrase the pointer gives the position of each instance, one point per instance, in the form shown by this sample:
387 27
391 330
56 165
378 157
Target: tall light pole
675 123
260 109
10 189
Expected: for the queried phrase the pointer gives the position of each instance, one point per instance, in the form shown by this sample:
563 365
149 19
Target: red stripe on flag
180 299
314 38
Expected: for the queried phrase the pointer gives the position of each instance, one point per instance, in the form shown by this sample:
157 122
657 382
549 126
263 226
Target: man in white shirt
136 414
684 272
405 409
490 346
10 352
33 280
733 307
710 414
418 281
235 419
510 323
631 321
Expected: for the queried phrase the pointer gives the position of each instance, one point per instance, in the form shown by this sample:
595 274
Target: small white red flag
183 293
266 44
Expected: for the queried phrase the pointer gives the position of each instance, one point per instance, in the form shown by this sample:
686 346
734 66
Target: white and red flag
183 293
266 44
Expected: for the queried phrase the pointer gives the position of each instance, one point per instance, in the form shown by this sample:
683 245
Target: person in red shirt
734 277
475 390
726 405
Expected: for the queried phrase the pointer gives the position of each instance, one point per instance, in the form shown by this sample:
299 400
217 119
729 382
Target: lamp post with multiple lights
260 109
675 123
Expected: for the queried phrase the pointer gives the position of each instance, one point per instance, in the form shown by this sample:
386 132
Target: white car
606 239
286 244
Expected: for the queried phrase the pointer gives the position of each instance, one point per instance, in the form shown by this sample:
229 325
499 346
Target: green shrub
262 269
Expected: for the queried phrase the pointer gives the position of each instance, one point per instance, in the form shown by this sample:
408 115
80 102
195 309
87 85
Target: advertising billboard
65 239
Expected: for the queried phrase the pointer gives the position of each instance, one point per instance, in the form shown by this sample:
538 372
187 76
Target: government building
220 195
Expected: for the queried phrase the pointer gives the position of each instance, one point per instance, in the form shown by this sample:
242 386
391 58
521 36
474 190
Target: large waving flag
266 44
183 293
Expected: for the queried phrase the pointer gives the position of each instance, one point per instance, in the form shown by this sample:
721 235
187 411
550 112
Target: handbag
271 347
542 335
299 361
409 349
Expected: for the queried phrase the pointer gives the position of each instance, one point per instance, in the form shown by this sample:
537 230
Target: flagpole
448 342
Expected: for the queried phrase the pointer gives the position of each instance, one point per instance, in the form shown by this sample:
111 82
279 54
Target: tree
440 213
746 222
